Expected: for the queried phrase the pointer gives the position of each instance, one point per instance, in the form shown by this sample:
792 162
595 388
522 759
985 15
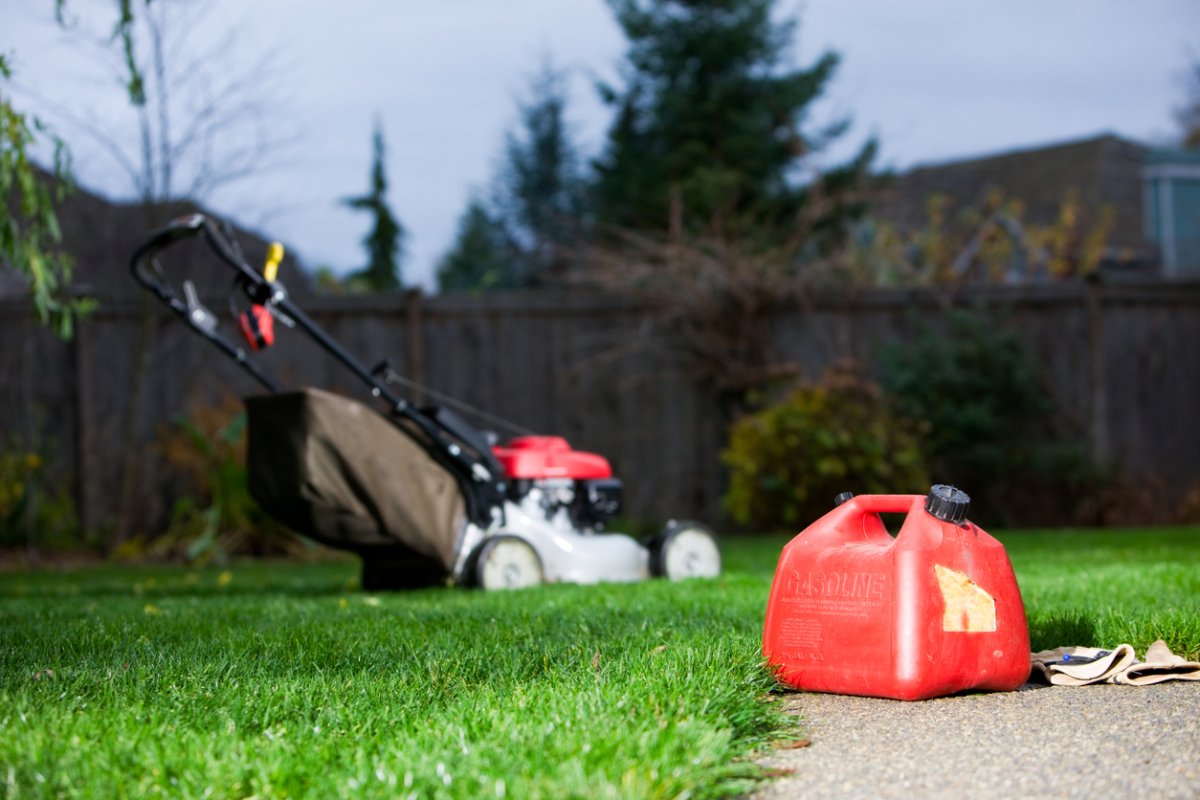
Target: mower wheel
685 549
507 562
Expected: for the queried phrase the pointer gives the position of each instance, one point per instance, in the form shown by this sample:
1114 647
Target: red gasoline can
934 611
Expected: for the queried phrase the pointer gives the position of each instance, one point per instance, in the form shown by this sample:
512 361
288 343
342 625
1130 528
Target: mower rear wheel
508 562
686 550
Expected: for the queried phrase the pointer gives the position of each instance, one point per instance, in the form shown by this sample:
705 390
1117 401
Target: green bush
787 462
990 429
977 387
216 517
36 509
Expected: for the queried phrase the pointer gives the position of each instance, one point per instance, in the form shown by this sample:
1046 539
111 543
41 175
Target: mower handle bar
148 272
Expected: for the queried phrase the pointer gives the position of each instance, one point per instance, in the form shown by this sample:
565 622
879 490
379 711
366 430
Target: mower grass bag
338 472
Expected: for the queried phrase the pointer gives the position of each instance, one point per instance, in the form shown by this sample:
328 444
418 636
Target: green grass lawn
1102 588
284 680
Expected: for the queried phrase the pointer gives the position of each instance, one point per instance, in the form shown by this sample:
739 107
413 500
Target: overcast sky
934 80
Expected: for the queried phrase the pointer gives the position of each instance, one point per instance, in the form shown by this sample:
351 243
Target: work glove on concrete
1160 665
1080 666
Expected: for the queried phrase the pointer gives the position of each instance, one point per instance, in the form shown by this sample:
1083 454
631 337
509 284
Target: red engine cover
934 611
537 457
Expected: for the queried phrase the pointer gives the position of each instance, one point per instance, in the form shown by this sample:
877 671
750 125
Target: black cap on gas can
947 503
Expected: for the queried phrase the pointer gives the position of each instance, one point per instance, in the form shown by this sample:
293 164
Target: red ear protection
258 327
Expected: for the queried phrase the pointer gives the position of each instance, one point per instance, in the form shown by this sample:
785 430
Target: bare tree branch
713 297
200 125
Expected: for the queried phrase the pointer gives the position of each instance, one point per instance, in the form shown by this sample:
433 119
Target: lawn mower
423 496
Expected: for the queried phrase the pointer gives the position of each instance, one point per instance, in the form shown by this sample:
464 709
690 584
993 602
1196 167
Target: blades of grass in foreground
285 681
1100 588
193 689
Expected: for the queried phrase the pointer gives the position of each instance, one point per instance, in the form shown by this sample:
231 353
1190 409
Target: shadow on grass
1062 629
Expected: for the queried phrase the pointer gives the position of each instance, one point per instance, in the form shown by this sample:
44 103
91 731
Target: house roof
1104 171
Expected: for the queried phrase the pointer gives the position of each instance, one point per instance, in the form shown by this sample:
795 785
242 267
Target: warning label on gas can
969 609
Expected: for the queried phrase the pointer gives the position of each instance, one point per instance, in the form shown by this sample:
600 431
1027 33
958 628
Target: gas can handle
883 503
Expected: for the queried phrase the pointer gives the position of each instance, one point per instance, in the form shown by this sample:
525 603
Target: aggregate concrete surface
1039 742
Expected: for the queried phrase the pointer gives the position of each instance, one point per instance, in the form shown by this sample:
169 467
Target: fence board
594 370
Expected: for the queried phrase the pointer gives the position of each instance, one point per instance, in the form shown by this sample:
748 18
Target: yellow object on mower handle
274 257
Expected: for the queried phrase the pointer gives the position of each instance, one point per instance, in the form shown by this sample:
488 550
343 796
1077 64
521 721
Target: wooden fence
1122 364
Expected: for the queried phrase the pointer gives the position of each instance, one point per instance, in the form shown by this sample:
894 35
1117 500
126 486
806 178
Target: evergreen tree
384 243
539 192
708 128
534 209
482 257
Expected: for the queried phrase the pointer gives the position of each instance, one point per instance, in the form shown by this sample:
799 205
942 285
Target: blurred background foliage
788 461
36 510
215 518
713 203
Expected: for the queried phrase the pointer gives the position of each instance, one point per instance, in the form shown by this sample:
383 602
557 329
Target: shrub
35 508
982 394
19 472
217 517
976 386
787 462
